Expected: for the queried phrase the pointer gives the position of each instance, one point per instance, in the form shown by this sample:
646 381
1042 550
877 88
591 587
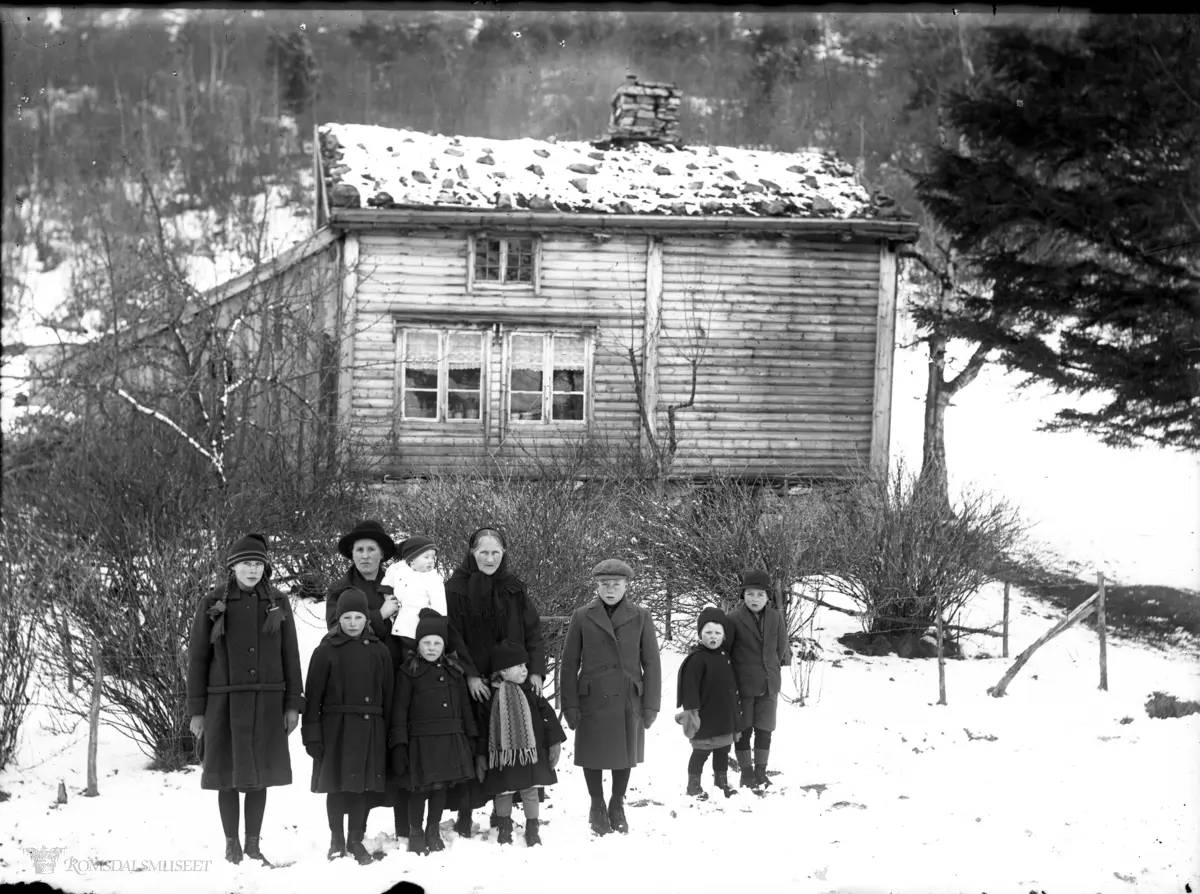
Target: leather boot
416 840
356 848
531 832
251 849
598 817
721 781
504 824
616 815
747 768
694 789
233 850
337 843
760 766
463 824
433 839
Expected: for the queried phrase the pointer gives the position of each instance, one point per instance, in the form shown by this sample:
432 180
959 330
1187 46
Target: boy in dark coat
244 690
350 687
759 647
433 730
711 716
518 749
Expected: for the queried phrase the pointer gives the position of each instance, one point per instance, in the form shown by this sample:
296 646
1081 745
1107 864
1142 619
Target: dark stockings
416 807
762 739
357 806
620 781
256 806
595 782
335 807
700 757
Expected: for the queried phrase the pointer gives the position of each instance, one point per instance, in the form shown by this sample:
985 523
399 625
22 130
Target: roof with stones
378 167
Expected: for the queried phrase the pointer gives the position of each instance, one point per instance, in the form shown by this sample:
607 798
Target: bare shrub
1162 706
20 598
901 552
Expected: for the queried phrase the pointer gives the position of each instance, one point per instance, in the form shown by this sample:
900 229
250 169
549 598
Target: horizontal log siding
785 382
424 274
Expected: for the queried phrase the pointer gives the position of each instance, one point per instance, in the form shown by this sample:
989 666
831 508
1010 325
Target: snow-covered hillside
878 789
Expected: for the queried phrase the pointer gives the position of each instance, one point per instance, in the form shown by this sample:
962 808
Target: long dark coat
521 624
548 731
611 673
350 689
242 684
706 683
380 626
431 715
758 652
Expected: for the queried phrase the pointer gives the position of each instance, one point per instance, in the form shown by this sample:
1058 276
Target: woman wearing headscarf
488 604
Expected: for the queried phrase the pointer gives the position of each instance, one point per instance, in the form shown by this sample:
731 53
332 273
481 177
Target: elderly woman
611 682
488 604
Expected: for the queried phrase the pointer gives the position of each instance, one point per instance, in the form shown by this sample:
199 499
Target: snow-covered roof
379 167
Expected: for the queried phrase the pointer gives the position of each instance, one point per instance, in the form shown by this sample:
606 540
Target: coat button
366 717
253 672
442 678
444 705
367 699
251 649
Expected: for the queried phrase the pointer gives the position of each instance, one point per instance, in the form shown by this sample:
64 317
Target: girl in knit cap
244 690
433 730
350 688
711 716
518 749
416 583
758 647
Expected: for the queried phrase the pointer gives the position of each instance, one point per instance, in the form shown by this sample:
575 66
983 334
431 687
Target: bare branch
213 458
969 373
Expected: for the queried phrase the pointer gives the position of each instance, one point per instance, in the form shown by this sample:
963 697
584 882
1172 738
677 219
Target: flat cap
612 568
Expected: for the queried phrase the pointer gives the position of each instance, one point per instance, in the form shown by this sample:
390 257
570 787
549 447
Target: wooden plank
1080 612
1102 629
881 430
651 330
345 330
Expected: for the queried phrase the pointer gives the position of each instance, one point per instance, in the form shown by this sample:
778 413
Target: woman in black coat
488 604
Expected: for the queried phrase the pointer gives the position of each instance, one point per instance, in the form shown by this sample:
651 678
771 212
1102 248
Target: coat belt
248 687
351 709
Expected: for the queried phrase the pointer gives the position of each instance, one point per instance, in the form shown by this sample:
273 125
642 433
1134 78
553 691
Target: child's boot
433 839
233 850
598 816
416 840
252 851
616 814
504 824
356 848
760 766
531 832
463 825
747 768
337 841
694 789
721 781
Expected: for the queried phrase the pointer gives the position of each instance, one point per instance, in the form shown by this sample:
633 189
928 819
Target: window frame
547 335
477 285
402 331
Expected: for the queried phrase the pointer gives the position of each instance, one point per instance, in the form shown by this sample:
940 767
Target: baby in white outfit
417 585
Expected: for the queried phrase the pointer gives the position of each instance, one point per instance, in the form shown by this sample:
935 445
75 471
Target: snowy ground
879 789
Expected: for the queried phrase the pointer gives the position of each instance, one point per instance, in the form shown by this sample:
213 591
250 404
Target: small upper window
508 261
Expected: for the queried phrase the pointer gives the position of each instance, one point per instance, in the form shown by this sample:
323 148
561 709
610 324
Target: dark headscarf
484 618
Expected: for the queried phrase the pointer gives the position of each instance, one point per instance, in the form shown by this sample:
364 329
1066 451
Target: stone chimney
645 112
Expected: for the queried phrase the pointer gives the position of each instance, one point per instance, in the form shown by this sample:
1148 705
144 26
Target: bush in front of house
20 622
901 552
1162 706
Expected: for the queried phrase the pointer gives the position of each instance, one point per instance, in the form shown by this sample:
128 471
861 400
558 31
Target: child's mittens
315 750
480 766
399 759
572 715
690 721
555 751
649 715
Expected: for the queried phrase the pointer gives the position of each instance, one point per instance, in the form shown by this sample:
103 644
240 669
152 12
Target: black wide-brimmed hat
368 529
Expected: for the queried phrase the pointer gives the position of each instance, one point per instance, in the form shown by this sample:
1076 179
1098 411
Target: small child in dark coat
433 730
711 715
518 749
350 679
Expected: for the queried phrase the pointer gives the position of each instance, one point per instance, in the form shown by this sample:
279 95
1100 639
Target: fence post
1004 646
941 655
94 719
1100 625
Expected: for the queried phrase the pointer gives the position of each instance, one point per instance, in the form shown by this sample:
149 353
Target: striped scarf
511 737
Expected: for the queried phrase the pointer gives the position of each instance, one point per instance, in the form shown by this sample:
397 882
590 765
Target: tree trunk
94 720
937 398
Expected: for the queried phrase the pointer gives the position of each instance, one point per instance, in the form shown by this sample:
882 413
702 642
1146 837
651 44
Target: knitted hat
508 654
611 569
367 530
352 600
430 624
251 548
710 614
414 546
758 580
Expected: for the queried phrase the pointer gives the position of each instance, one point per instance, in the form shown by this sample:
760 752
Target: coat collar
339 637
622 614
415 666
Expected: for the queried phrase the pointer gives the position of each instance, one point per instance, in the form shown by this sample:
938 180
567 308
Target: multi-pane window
441 374
504 261
547 377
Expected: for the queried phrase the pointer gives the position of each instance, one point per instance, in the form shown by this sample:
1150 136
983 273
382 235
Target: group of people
426 695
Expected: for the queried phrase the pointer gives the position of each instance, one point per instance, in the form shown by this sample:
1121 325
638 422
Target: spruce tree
1077 199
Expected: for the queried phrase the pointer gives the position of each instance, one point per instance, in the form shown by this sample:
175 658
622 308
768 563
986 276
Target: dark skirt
436 762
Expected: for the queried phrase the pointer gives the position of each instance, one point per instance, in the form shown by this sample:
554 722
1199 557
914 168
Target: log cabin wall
410 279
783 336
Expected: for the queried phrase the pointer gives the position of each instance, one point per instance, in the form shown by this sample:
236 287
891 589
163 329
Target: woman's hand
535 680
197 726
291 719
479 689
391 605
